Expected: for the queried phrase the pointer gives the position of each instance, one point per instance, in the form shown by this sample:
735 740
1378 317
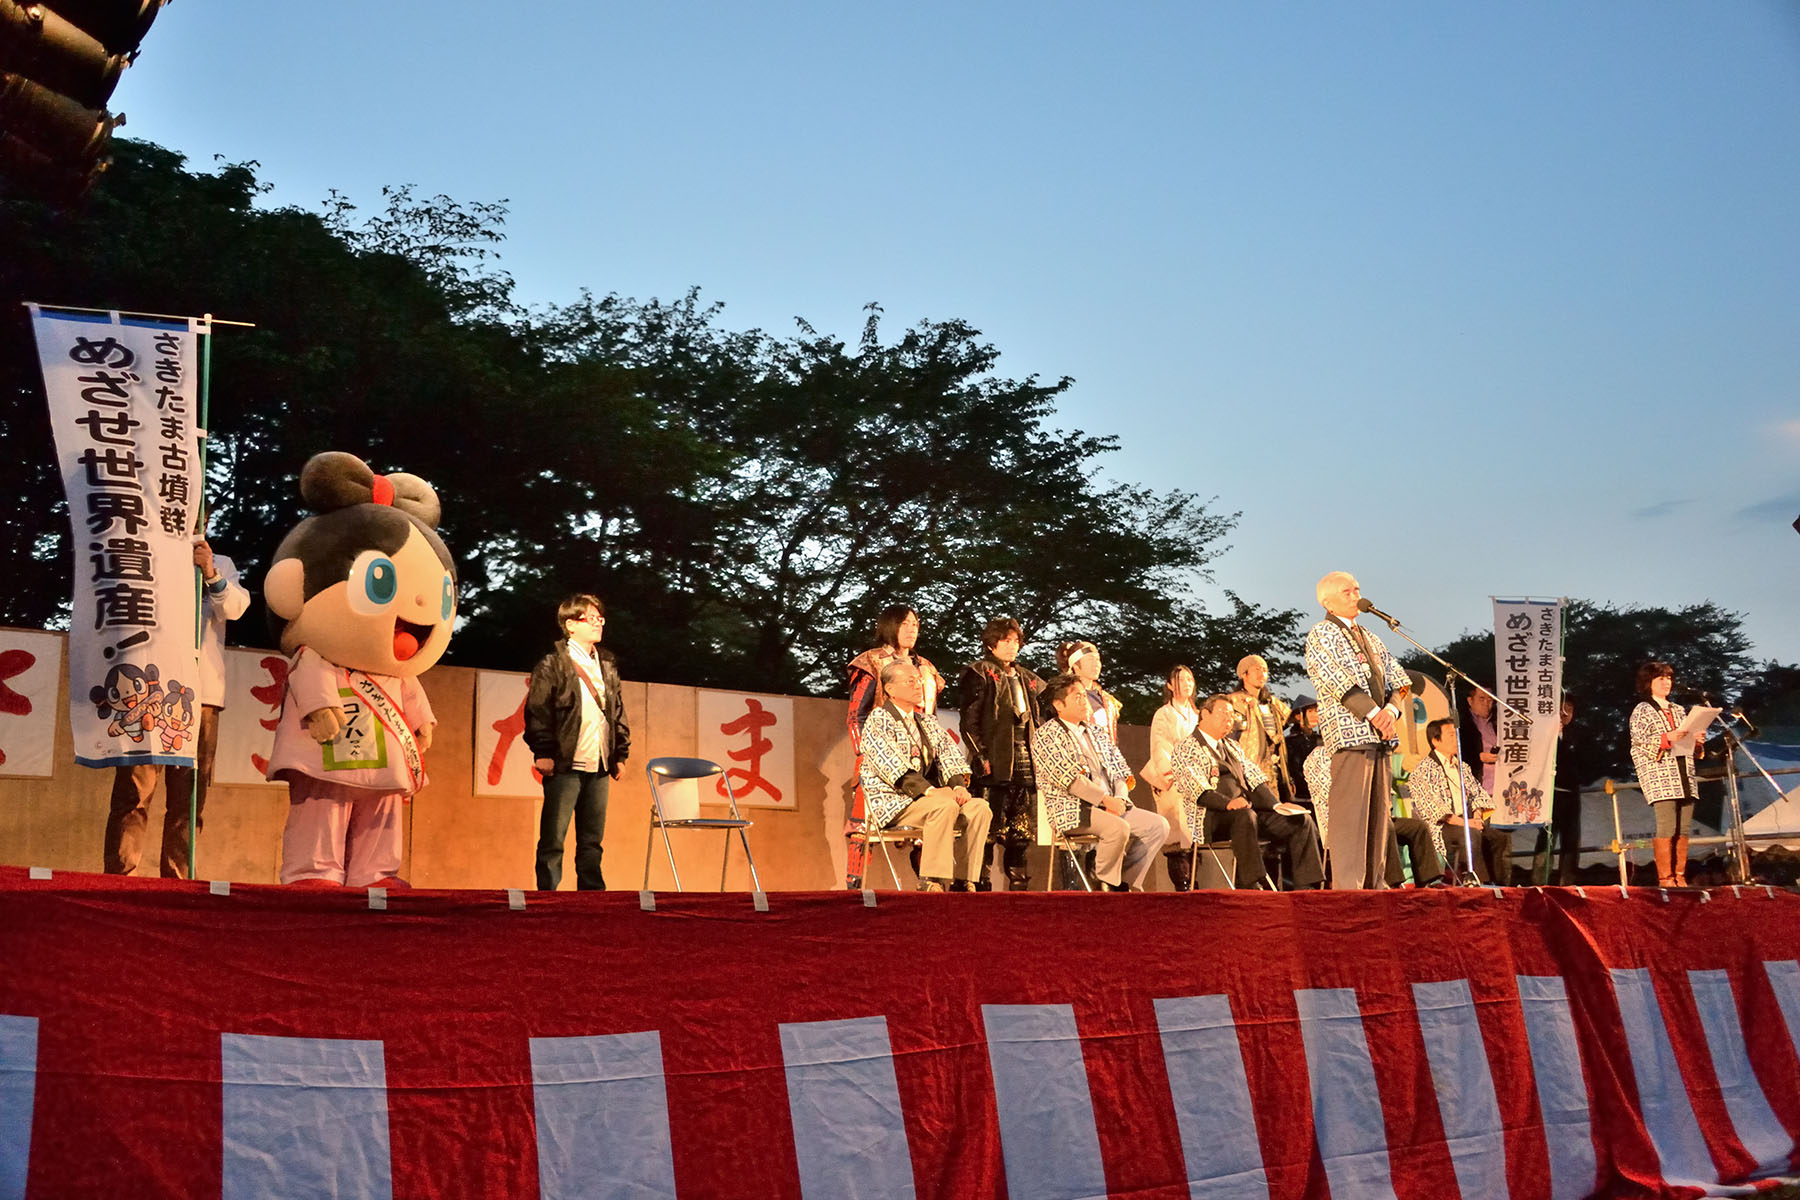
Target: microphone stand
1467 876
1740 841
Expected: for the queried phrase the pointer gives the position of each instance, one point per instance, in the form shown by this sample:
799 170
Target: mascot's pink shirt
366 754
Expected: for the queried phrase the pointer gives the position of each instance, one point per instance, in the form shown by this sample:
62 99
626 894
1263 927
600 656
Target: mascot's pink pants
340 834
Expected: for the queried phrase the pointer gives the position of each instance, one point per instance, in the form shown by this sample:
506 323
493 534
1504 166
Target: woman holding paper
1665 769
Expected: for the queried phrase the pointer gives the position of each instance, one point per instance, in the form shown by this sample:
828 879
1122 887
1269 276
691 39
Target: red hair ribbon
383 491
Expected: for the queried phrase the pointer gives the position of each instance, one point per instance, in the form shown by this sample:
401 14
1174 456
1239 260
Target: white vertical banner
255 681
503 765
752 737
30 673
124 406
1528 670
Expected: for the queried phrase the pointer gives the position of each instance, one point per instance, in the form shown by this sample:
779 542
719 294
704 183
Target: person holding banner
363 596
1481 736
224 599
575 726
1361 691
1665 770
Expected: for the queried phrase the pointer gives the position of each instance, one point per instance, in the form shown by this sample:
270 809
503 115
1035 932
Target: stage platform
180 1039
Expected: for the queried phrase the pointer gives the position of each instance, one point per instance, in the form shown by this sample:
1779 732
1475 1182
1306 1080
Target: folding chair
893 835
662 772
1073 844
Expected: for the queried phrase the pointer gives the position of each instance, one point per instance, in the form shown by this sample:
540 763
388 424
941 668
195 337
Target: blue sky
1467 299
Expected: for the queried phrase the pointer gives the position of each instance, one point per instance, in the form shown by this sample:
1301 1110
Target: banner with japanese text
123 404
1528 674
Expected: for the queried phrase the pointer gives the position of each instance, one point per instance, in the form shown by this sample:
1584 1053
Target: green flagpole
200 586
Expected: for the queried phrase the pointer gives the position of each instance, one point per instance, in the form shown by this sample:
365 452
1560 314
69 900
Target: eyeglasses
591 620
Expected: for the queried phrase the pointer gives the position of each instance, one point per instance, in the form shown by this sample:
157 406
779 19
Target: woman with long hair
1173 722
896 635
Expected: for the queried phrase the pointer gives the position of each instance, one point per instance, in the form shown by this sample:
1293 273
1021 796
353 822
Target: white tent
1766 811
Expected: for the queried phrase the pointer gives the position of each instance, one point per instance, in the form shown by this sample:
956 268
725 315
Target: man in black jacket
999 720
575 727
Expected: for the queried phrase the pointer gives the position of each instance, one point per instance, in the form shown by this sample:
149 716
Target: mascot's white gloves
325 723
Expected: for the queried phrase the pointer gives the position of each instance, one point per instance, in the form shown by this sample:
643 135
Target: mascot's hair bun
335 480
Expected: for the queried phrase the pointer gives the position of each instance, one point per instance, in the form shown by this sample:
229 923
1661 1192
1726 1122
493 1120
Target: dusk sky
1466 299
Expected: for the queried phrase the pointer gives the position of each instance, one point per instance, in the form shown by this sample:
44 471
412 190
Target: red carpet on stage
162 1039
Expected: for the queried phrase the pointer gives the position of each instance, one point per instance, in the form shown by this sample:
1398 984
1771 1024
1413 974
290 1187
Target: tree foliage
745 503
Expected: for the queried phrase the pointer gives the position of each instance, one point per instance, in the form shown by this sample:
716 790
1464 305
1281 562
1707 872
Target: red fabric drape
133 982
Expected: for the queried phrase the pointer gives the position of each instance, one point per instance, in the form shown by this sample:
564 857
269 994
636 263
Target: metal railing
1737 838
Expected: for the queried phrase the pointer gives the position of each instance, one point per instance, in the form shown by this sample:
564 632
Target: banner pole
71 308
205 334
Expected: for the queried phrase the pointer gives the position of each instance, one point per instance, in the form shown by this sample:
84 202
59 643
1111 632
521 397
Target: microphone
1749 725
1365 605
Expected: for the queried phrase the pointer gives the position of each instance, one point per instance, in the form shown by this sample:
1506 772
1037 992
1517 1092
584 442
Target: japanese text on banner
1528 670
123 411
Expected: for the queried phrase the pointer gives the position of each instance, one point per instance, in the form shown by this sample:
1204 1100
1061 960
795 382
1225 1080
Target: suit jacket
1063 776
1342 679
1435 797
1198 770
896 770
1660 780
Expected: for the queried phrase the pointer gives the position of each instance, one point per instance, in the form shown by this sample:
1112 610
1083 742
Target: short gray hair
1329 584
892 665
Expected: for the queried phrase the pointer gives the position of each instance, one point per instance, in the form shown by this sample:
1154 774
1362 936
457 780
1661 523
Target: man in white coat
1361 690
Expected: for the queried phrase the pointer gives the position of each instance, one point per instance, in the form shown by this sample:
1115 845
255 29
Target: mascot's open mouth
409 637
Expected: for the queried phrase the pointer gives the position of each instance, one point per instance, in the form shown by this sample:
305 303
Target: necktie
1377 684
1096 770
1226 761
918 731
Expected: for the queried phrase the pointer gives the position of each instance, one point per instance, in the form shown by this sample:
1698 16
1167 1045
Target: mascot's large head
366 583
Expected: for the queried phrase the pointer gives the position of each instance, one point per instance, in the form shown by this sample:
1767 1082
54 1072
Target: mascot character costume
362 596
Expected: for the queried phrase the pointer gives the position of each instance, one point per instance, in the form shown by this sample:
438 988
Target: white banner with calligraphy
502 760
752 737
254 683
1528 674
123 406
30 673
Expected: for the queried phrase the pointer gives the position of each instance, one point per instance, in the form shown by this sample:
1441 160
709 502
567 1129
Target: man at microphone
1362 691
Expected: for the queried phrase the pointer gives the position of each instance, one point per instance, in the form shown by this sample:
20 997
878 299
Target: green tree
744 502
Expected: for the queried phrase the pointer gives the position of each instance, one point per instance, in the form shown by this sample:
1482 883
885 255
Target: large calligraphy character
270 694
13 704
748 779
